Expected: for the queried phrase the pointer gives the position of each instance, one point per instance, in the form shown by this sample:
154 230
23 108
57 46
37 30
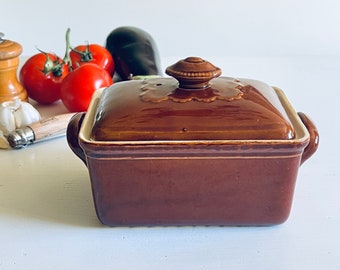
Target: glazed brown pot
195 150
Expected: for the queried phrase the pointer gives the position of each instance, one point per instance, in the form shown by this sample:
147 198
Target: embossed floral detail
161 89
227 88
158 89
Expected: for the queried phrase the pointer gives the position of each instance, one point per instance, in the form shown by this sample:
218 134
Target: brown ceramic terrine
192 149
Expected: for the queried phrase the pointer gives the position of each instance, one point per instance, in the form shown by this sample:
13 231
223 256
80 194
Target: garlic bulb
16 114
7 120
26 114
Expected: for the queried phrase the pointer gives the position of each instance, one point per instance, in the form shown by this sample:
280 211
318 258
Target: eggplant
135 53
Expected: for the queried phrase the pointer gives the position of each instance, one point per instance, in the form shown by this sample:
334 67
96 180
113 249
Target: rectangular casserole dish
246 182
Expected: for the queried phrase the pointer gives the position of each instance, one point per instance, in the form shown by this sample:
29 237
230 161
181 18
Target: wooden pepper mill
10 87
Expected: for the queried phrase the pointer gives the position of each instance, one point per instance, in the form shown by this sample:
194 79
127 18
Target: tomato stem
67 59
85 56
55 67
48 66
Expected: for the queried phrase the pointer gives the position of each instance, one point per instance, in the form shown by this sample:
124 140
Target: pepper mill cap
9 49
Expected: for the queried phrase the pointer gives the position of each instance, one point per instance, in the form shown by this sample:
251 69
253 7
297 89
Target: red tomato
42 75
79 85
92 53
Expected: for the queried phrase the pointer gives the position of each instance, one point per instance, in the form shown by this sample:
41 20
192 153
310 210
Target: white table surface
48 221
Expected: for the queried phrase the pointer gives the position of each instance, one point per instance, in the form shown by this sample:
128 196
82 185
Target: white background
181 27
47 218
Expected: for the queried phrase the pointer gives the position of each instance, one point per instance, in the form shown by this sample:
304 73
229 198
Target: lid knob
193 73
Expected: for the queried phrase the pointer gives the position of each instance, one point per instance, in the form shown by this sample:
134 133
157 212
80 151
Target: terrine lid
194 104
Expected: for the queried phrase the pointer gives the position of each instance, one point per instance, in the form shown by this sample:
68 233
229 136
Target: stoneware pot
192 149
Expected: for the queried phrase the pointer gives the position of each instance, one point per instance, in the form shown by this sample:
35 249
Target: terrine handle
72 135
314 137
